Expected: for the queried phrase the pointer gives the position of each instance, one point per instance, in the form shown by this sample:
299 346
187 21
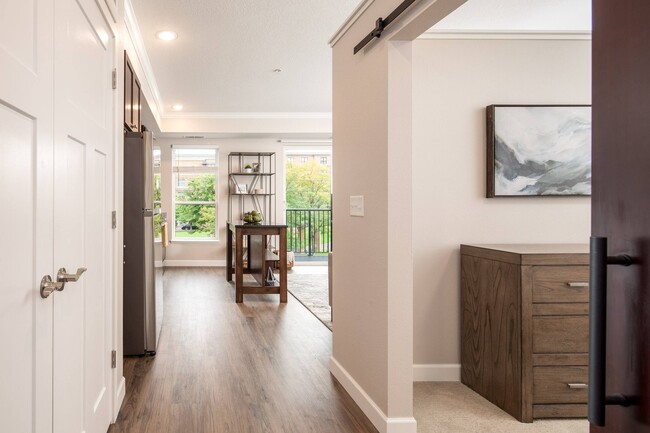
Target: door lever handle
63 277
48 286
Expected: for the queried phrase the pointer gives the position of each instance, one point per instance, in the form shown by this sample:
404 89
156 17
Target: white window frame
174 147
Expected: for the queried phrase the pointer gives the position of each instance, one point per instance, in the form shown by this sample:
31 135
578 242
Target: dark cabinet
132 97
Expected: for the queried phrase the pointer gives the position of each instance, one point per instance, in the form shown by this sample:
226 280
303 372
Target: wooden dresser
524 319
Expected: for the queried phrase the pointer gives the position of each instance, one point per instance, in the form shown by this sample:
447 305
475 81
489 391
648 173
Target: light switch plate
356 205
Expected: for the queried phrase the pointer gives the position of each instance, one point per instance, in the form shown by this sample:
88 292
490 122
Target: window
157 196
323 160
303 159
195 186
290 159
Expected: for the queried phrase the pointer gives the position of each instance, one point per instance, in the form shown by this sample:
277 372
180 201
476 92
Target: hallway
225 367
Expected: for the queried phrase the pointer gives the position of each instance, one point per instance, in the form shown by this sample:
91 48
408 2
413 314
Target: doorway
308 192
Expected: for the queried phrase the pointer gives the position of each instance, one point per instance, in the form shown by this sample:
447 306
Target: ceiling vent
193 136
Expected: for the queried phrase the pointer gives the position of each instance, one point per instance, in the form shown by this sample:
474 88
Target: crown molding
133 29
498 34
349 22
248 115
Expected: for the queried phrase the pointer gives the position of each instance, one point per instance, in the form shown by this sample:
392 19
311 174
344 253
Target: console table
260 258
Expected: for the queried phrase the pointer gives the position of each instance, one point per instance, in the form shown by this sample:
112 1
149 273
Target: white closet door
26 99
82 214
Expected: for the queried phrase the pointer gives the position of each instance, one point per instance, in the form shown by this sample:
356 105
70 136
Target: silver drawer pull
578 284
577 385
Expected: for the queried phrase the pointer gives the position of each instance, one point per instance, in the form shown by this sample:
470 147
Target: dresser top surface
547 254
536 248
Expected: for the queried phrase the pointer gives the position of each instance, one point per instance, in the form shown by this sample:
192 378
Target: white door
82 180
55 187
26 102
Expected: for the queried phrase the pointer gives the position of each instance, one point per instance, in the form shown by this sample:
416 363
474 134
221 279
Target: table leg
283 265
229 269
239 267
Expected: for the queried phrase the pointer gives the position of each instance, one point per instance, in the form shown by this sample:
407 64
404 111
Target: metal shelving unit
255 190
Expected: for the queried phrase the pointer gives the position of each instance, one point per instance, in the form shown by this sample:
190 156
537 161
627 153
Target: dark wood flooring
224 367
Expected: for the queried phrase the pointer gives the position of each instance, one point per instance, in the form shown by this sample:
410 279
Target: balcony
309 234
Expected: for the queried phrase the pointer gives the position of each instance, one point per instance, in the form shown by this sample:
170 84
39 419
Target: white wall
453 81
214 251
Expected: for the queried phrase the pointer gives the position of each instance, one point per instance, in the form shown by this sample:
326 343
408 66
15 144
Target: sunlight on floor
309 270
450 407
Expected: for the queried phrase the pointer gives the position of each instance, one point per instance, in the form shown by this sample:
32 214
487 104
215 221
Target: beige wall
453 81
215 250
373 265
360 259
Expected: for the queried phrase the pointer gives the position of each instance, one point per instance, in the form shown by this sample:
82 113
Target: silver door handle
63 277
48 286
577 385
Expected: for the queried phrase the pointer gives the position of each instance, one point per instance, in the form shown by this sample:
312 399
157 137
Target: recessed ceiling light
177 107
277 70
166 35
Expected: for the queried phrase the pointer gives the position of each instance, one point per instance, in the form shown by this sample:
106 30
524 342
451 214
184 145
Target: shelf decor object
538 150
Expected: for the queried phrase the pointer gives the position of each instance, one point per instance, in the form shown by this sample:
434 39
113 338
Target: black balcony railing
309 231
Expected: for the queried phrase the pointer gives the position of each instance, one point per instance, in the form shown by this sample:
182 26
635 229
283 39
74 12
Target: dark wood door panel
620 202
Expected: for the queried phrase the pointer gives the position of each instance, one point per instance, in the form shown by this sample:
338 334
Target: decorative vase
248 170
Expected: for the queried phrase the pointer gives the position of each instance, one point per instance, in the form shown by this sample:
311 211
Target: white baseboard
119 398
195 263
376 416
436 373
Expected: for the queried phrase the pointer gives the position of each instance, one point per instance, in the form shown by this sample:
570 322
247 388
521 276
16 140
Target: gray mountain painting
542 150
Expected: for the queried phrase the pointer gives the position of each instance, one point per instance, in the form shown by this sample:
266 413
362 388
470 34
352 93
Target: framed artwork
538 150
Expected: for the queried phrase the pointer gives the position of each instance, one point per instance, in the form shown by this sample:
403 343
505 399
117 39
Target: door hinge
114 219
114 78
113 359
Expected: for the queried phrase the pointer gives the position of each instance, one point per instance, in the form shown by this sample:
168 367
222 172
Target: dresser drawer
559 385
555 334
553 284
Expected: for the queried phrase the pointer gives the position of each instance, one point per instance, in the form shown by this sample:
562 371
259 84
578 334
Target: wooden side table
260 258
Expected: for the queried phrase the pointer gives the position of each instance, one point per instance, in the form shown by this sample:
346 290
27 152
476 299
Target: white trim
436 373
496 34
305 141
119 398
131 24
368 406
247 115
195 263
349 22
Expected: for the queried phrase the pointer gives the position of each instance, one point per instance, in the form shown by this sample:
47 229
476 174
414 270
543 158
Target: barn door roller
381 24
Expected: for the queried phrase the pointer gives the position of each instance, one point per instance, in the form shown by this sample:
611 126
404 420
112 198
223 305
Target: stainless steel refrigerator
143 256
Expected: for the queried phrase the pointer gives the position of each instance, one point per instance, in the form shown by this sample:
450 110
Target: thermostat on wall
356 205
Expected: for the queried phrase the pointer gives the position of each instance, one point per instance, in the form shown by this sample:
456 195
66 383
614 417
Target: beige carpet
308 284
450 407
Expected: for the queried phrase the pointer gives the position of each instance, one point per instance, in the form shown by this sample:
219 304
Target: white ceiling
519 15
224 58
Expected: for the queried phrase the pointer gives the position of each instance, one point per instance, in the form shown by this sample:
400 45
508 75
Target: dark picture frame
538 150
